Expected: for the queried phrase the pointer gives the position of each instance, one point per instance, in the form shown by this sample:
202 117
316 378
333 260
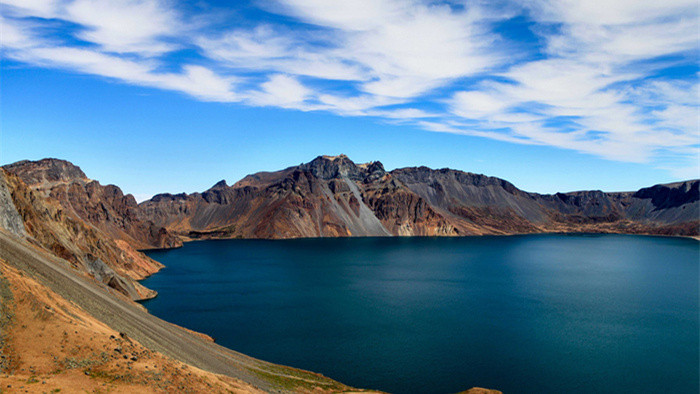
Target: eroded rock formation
105 207
46 223
332 196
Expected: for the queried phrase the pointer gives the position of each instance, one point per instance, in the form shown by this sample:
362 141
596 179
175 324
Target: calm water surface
541 313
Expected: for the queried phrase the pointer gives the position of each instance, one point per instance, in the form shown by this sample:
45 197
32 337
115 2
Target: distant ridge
331 196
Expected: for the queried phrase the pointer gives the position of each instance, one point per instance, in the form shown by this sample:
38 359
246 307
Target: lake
533 313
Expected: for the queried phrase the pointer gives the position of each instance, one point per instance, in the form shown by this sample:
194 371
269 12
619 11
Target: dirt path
152 332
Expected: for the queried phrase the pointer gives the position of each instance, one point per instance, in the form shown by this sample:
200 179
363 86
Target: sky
172 96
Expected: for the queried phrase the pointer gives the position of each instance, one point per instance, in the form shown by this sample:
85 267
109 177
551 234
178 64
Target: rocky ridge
104 206
332 196
46 223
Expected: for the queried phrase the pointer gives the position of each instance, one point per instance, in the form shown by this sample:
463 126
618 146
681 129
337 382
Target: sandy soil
54 346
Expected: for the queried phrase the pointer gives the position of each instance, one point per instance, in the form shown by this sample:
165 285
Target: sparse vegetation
72 363
6 316
296 379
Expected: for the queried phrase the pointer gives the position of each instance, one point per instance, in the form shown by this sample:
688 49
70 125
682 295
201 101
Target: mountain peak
330 167
46 171
329 157
220 185
372 166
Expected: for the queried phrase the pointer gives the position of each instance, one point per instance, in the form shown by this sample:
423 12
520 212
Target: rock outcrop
10 219
332 196
105 207
46 223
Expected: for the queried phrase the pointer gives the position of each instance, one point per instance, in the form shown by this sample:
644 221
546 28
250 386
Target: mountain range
71 253
332 196
100 230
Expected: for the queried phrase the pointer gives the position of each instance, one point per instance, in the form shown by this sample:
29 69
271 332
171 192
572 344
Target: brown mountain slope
332 196
328 197
45 223
52 345
105 207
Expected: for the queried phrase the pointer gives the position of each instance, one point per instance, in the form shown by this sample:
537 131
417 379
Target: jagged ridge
105 207
333 196
44 222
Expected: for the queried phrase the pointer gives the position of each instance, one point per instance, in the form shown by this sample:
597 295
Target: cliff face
105 207
328 197
332 196
46 223
312 200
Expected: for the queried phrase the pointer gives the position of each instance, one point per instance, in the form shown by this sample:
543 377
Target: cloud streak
597 78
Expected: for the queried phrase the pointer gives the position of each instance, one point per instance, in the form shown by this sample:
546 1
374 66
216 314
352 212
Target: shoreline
188 240
158 335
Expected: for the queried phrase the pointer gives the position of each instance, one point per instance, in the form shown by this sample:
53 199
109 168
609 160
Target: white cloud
264 48
281 91
126 26
40 8
572 105
354 105
595 86
478 105
606 12
199 82
408 47
405 114
22 40
583 97
196 81
619 31
14 35
360 15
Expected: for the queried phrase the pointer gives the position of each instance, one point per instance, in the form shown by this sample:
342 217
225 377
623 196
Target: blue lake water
536 313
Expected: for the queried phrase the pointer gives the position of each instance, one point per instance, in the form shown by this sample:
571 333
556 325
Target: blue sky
165 96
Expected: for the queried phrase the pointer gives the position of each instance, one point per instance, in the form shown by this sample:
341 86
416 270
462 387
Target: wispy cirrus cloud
599 77
142 27
406 47
265 48
20 43
593 90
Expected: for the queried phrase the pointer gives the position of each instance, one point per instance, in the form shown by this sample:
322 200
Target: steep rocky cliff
46 223
105 207
332 196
